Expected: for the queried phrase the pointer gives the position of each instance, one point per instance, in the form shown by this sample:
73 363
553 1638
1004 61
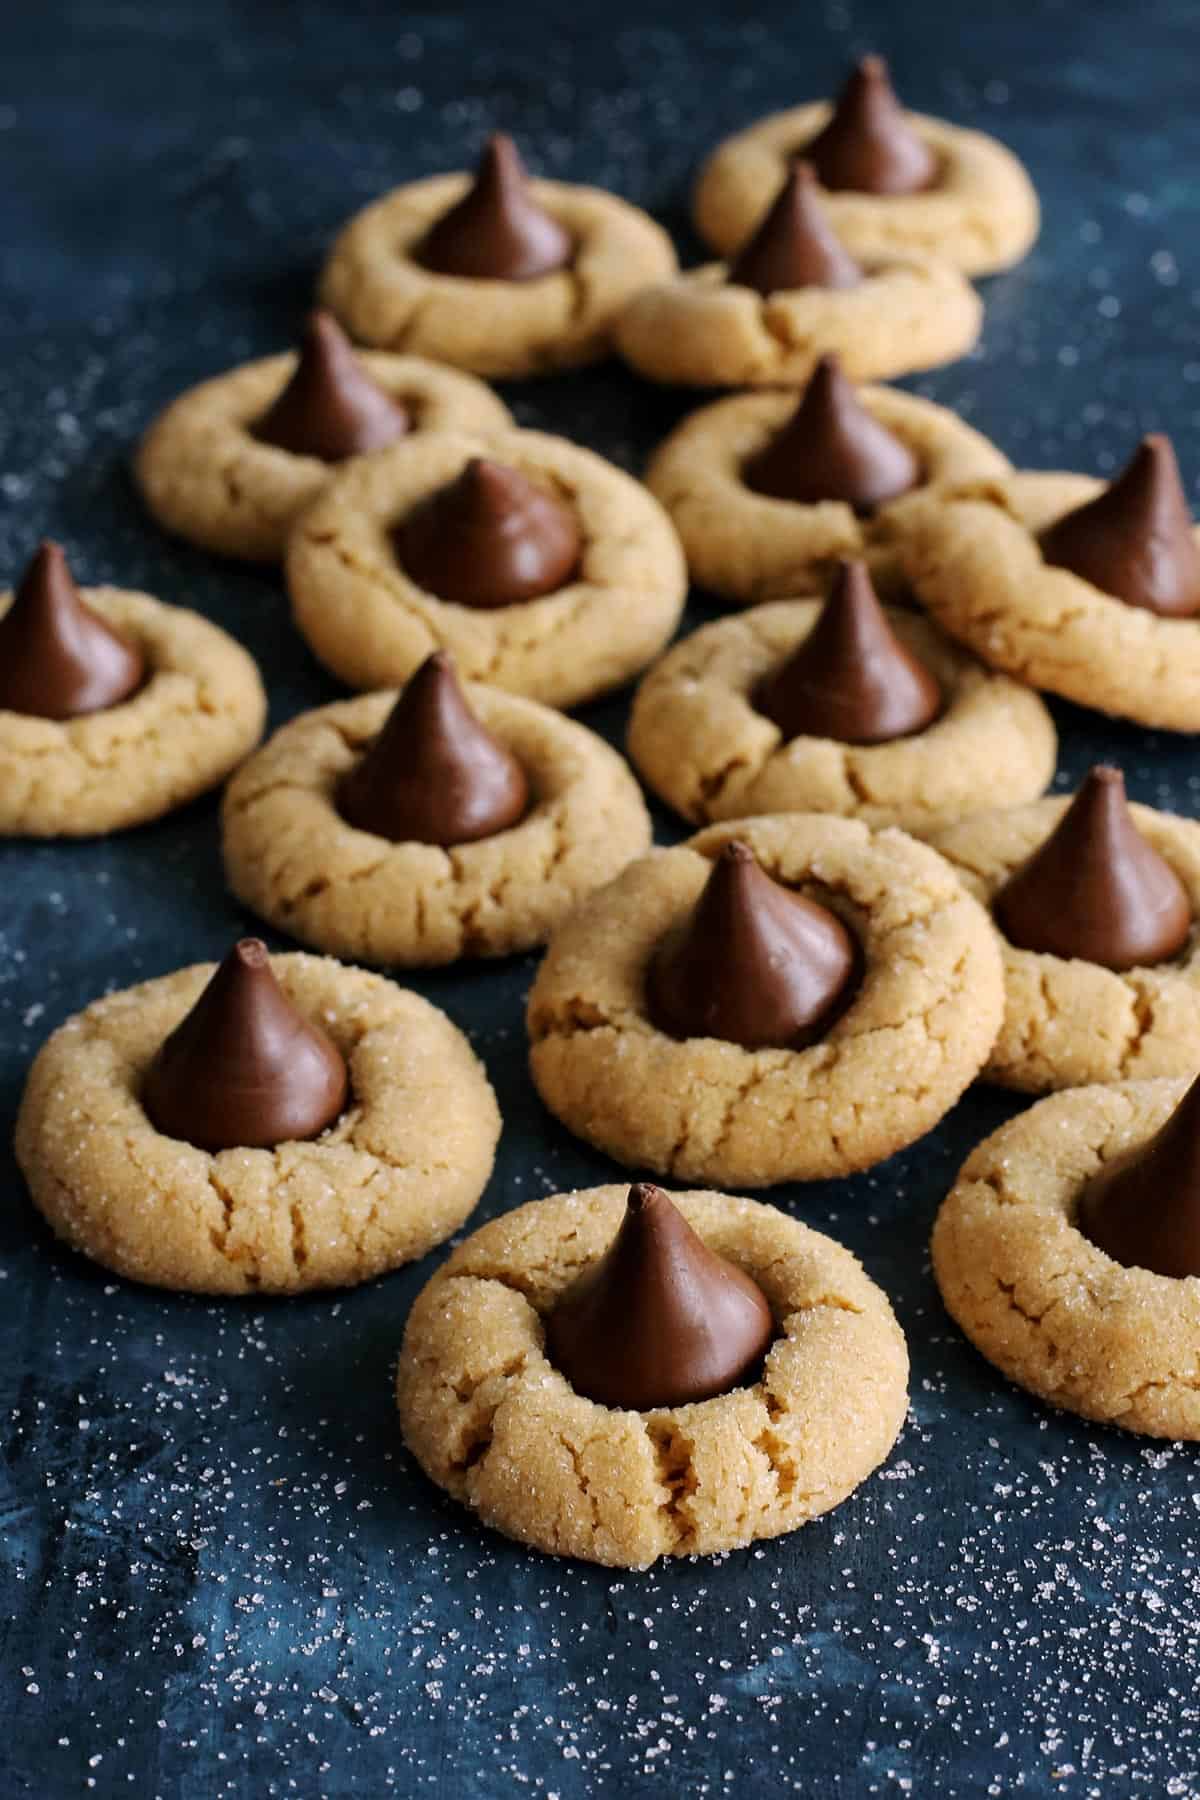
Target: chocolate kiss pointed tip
868 145
851 679
1144 1210
754 963
1096 889
497 231
58 658
794 246
660 1320
244 1069
331 408
490 537
1135 540
435 774
832 448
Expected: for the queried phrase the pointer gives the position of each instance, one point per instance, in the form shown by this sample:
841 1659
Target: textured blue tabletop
221 1575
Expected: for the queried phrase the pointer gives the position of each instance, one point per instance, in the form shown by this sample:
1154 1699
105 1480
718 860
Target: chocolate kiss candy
490 538
1144 1211
833 449
661 1319
868 146
244 1069
497 231
331 408
434 775
1135 539
1096 889
58 658
755 964
851 679
794 246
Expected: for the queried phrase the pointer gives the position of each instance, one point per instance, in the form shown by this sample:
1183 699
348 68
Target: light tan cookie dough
1049 1308
293 859
394 1175
204 475
200 710
491 1420
702 330
1066 1022
369 622
557 321
747 546
972 558
981 216
917 1032
697 740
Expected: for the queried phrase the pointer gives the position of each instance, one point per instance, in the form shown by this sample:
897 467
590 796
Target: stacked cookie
799 990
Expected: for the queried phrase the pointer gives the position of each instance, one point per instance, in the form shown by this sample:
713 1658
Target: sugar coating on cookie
699 740
292 857
748 546
198 711
980 213
397 1172
205 474
916 1033
380 286
972 556
492 1421
367 618
1043 1303
1068 1022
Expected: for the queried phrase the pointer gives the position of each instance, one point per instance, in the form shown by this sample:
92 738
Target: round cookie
204 475
1069 1022
370 622
697 739
292 858
200 710
972 557
491 1420
703 330
398 1171
916 1033
981 215
383 295
748 546
1043 1303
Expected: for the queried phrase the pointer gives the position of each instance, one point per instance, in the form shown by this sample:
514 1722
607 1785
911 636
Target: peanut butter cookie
491 1419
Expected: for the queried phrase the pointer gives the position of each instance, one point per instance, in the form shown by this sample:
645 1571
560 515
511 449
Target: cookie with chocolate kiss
244 1069
490 537
1144 1210
795 246
497 231
58 658
1096 889
868 146
1135 540
832 448
660 1320
435 774
754 963
851 679
331 408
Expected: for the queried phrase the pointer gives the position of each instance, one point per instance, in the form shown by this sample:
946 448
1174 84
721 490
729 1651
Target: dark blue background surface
221 1575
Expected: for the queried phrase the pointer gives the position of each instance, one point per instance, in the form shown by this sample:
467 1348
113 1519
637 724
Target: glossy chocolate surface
851 679
661 1319
497 231
435 774
1144 1210
795 246
832 448
331 407
753 963
58 658
491 537
245 1069
868 146
1135 540
1096 889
